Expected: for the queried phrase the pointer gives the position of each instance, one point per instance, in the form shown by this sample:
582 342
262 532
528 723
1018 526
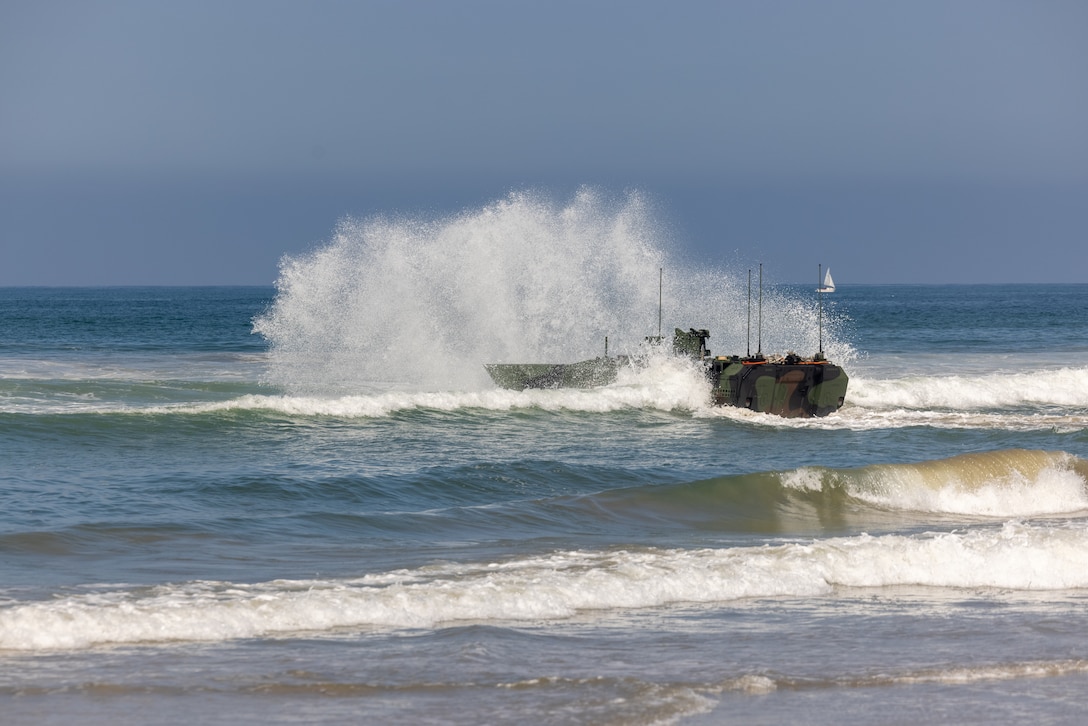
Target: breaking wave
560 585
1007 483
1015 554
1010 483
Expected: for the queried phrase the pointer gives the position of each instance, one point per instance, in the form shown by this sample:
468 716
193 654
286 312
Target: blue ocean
308 503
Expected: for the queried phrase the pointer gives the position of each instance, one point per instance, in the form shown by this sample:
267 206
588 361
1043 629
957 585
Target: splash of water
423 303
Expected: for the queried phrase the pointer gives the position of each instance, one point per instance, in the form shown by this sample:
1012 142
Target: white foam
956 675
1015 556
1050 491
804 479
988 391
861 419
976 674
661 382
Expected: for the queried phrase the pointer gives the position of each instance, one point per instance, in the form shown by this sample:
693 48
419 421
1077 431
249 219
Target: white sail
829 284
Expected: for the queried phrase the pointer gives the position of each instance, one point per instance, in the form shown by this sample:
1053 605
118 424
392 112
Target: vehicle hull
801 389
788 386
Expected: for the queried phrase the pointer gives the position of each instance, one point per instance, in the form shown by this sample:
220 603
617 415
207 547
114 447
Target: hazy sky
197 142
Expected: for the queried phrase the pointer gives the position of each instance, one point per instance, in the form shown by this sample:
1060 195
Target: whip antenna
820 298
759 336
749 354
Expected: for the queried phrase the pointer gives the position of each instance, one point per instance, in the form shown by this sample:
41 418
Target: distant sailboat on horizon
829 284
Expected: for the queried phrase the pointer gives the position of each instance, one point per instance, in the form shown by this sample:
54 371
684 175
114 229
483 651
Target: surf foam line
1014 556
951 675
1065 387
860 419
665 383
1006 483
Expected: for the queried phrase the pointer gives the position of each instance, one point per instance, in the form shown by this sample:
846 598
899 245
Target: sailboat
829 284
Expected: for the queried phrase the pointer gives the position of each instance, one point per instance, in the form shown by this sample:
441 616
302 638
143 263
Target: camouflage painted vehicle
789 385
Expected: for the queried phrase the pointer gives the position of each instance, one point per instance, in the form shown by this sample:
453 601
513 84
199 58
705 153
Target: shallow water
201 523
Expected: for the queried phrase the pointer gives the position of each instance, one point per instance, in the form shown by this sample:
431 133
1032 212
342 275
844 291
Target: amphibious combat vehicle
789 385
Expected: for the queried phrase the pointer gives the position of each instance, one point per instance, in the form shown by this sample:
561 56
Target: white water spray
422 304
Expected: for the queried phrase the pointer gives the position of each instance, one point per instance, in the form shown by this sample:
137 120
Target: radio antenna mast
759 337
749 355
820 298
660 279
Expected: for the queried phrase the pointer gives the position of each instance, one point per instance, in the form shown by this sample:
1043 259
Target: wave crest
555 586
1007 483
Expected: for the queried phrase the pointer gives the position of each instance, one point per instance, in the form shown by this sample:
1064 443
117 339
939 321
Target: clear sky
197 142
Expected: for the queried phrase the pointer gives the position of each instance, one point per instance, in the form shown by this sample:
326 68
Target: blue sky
198 142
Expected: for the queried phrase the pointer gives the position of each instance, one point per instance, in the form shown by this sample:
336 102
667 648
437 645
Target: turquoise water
238 505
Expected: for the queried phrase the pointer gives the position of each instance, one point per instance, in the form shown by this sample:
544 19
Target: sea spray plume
422 304
412 301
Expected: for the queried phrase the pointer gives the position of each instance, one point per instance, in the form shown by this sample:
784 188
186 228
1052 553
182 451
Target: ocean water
307 502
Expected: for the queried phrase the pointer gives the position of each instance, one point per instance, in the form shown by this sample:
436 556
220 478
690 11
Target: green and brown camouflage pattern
584 374
789 386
